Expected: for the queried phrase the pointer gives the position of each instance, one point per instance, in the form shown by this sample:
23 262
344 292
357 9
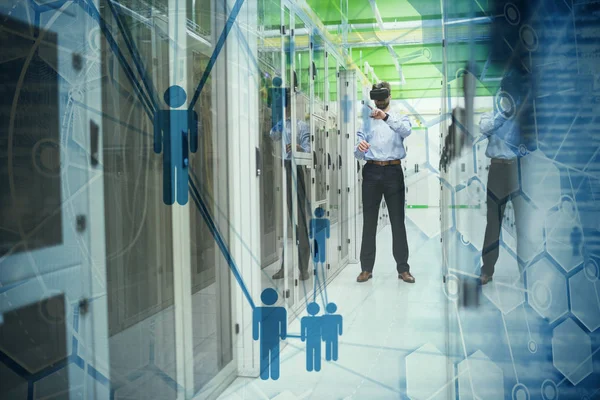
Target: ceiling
408 33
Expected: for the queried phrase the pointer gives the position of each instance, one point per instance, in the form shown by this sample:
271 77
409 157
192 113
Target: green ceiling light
303 7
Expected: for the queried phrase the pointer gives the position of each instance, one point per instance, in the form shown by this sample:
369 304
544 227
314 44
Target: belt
502 161
384 163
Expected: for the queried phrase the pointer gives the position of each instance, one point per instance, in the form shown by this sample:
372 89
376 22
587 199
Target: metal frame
97 325
178 75
241 125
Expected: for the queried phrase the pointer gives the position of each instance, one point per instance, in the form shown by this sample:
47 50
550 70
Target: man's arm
399 124
340 326
276 131
357 153
328 231
304 132
490 122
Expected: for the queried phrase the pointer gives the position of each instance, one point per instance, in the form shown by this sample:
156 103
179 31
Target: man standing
382 146
292 177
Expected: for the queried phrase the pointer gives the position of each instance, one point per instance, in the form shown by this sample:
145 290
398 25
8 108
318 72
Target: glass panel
319 73
294 174
344 169
333 159
211 308
199 17
45 171
320 161
138 224
333 151
302 42
522 177
273 153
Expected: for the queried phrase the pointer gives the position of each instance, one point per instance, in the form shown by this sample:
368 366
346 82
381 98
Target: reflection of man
503 130
302 145
319 232
382 145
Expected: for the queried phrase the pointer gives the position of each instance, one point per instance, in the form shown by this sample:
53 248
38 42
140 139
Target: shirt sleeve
490 122
304 133
360 136
400 124
276 131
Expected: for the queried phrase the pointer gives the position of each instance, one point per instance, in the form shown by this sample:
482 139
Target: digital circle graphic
94 37
528 37
506 104
532 346
523 150
52 310
452 287
541 295
512 14
427 53
76 94
520 392
549 390
464 240
47 158
590 270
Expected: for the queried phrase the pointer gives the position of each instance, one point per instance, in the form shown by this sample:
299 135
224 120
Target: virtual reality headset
379 93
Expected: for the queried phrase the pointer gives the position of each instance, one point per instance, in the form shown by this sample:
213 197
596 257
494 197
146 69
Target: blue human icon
269 325
278 101
576 241
175 134
331 327
310 328
319 232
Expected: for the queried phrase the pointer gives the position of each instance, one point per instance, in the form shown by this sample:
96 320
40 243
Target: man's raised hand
363 146
378 114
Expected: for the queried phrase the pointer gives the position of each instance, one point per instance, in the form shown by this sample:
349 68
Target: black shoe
278 274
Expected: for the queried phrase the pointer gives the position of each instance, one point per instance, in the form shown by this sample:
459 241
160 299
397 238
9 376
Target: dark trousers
303 214
503 185
386 181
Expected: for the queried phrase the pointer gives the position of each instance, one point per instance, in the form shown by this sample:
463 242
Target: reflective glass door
49 171
209 216
139 225
272 152
333 164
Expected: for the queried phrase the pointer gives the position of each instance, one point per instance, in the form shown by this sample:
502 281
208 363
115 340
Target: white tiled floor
385 319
